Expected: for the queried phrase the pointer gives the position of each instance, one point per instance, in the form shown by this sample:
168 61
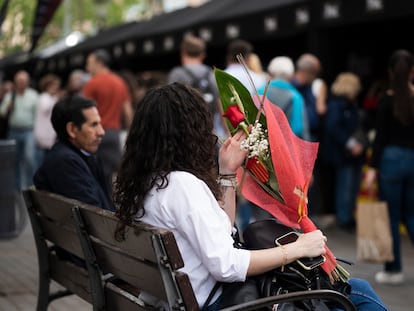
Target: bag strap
211 295
13 100
195 78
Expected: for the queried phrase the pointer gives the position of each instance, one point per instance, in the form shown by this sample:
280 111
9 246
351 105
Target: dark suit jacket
69 172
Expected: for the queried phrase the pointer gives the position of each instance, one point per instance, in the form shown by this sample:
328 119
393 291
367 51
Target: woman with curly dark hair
168 178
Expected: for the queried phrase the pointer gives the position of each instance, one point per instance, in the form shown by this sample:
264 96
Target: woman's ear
71 129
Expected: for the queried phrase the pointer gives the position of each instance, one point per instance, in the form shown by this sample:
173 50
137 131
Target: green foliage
85 15
17 27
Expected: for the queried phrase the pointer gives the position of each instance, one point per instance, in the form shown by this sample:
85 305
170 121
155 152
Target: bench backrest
148 259
54 215
53 225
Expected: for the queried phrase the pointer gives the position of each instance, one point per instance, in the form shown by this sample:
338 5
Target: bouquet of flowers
242 113
279 164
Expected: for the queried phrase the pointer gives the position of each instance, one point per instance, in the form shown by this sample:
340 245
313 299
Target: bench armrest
325 294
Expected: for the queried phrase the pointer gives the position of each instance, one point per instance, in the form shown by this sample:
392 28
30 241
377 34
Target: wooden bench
114 273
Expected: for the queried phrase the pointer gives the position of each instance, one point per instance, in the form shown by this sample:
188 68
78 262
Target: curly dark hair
171 131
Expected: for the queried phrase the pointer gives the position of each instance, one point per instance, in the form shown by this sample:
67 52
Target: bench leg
59 294
43 294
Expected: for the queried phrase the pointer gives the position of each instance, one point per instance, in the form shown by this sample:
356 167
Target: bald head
308 68
309 63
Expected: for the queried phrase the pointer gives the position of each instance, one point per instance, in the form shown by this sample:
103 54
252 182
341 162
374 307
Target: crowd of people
68 141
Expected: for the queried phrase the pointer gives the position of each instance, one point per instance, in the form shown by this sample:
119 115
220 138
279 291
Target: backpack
204 86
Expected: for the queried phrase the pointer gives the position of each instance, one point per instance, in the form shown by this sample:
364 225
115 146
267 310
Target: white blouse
202 229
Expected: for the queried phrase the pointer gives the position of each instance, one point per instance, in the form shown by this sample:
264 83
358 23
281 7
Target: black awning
219 21
179 20
104 38
248 7
44 12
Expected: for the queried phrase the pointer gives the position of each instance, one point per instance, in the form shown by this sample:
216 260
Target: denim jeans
214 306
363 296
396 187
25 153
348 179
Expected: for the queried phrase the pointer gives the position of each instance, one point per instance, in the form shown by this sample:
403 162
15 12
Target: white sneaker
390 278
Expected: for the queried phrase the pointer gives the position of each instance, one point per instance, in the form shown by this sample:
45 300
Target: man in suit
70 167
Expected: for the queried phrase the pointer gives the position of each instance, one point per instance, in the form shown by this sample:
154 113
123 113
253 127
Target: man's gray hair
281 67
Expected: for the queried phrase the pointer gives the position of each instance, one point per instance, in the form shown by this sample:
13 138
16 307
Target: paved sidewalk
396 298
19 277
18 274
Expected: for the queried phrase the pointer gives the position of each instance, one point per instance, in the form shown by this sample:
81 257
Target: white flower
256 143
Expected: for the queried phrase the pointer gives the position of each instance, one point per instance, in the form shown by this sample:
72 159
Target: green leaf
224 80
273 183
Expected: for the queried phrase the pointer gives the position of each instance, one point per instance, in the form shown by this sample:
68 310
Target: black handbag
294 277
262 234
239 292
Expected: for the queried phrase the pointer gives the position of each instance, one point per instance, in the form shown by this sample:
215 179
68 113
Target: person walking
21 104
244 49
283 94
194 72
345 143
392 161
44 134
314 92
110 93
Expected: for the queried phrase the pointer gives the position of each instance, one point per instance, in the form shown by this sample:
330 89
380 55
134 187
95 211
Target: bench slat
52 206
103 228
186 290
135 260
119 299
70 276
62 236
141 274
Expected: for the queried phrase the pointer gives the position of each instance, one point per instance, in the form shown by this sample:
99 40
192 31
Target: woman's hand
311 244
231 156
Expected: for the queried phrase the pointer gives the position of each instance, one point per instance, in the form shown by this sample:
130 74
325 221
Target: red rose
234 115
